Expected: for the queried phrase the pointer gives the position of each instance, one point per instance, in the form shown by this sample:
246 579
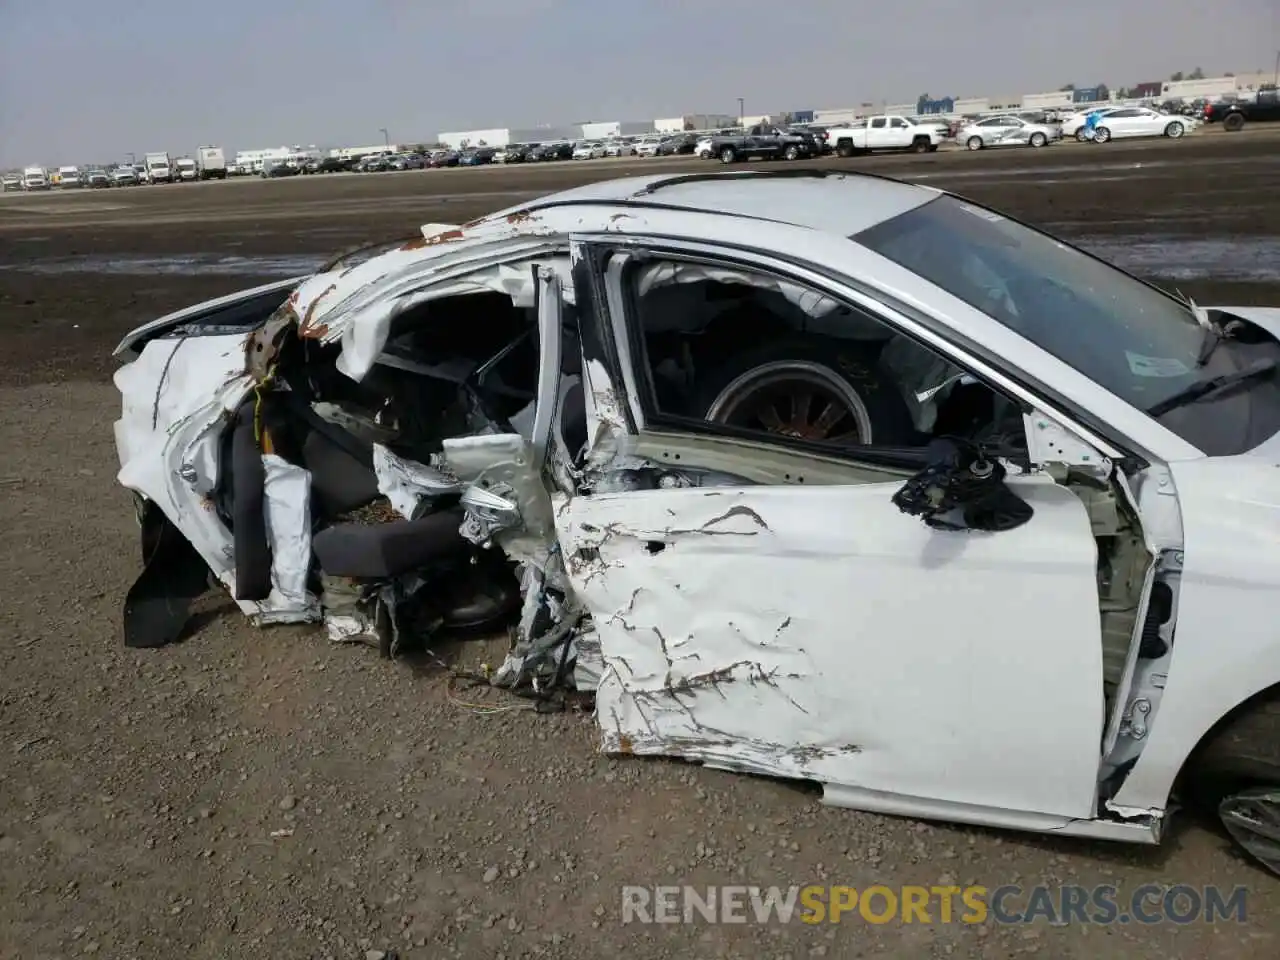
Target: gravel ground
265 793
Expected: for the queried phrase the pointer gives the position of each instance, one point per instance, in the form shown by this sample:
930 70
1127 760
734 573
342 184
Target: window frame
616 330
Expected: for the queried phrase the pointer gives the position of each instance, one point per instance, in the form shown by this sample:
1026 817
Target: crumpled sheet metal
406 483
356 305
288 514
669 668
177 397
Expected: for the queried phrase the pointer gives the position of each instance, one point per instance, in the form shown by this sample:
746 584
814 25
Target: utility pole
1277 79
741 113
386 137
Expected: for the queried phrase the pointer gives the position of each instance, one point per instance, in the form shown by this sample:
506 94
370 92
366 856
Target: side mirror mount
962 488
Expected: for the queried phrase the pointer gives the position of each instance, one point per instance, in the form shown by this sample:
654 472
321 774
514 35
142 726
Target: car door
798 624
1148 123
878 134
1122 123
899 132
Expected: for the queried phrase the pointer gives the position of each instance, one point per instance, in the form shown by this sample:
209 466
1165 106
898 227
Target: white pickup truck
883 133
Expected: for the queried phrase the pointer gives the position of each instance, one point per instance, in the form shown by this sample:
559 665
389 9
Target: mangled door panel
818 632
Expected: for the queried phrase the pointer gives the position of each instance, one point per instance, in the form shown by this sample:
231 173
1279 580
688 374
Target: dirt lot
266 794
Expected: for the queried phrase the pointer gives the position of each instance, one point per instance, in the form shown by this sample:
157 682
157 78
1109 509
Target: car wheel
813 389
1234 776
1101 135
920 145
1174 130
1234 122
791 153
1082 135
974 143
844 149
728 155
1038 140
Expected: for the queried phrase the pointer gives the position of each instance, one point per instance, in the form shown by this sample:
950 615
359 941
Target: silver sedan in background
1007 131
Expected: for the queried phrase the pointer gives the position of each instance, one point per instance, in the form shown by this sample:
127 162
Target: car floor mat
158 605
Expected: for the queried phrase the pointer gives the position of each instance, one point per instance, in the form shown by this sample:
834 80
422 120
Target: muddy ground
266 794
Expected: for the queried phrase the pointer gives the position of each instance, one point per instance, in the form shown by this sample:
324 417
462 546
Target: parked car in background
97 178
679 144
588 150
409 161
272 169
1126 122
476 157
124 176
512 153
326 165
762 141
376 163
11 182
1262 108
186 170
69 178
1007 131
444 158
648 146
1074 124
883 133
558 150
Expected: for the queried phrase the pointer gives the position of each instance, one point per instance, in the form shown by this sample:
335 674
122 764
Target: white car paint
1076 121
1127 122
704 618
822 659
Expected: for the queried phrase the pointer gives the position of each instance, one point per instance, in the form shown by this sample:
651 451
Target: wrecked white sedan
809 475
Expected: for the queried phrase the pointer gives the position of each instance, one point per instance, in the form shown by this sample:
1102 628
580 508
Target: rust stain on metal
307 328
473 223
520 216
624 744
448 236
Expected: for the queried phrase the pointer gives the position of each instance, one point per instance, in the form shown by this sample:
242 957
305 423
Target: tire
844 149
844 374
1234 122
791 153
974 143
1174 130
1234 775
920 145
728 155
1102 135
1038 140
1082 135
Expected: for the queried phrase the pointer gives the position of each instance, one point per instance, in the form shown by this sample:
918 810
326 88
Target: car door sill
896 804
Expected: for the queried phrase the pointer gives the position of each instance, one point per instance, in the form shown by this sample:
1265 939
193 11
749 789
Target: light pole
132 158
1277 80
741 113
386 137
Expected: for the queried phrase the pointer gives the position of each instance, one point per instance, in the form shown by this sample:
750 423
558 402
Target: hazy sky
89 80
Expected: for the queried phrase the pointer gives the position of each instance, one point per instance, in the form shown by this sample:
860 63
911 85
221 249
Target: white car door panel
816 631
